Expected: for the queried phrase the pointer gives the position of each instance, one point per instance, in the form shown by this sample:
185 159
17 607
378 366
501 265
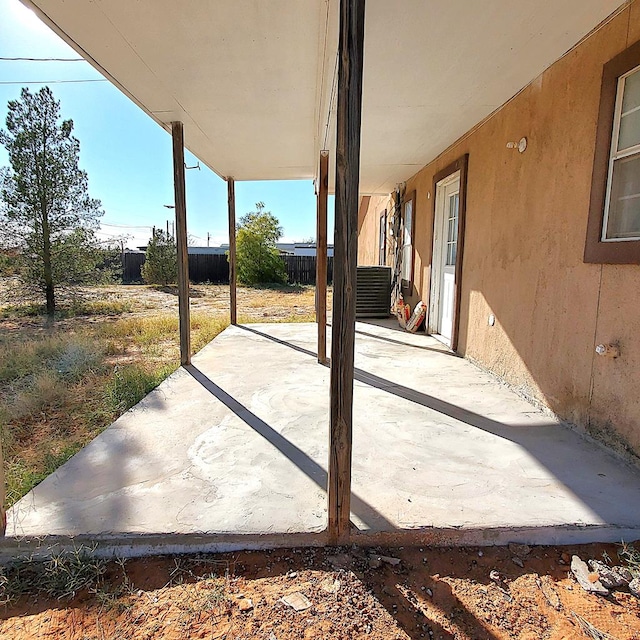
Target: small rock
389 560
495 576
517 561
634 587
429 593
292 574
330 586
480 554
340 561
245 604
297 601
375 562
519 549
546 586
581 573
610 577
624 573
565 557
272 636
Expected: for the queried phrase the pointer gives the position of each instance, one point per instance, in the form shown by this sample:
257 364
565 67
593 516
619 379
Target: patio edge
140 545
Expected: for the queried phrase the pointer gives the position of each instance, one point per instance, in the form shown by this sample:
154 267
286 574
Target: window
613 233
452 229
382 255
622 204
408 223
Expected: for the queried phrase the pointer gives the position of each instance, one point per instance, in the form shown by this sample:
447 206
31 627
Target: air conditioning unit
373 292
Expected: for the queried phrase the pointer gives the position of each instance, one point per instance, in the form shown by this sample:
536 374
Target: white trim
616 155
438 247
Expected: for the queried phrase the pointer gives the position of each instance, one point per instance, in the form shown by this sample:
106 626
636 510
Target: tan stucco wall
524 242
368 251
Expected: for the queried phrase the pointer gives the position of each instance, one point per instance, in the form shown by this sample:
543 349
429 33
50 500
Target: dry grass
61 386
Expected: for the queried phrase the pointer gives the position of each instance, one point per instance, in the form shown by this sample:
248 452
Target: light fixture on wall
521 145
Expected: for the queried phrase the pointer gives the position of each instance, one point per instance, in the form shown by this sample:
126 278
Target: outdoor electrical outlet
608 350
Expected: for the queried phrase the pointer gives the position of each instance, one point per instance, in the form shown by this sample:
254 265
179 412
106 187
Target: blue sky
128 156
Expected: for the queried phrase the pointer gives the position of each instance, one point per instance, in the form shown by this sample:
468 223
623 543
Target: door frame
459 165
439 253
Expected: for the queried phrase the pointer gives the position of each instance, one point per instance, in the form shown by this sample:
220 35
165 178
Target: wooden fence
214 268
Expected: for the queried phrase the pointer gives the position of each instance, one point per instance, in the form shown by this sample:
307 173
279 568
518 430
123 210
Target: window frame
382 239
409 197
597 249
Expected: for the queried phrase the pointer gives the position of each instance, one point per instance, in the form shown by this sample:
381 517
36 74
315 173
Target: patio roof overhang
254 82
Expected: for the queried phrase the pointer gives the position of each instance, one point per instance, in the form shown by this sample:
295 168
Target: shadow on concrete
570 458
284 343
444 351
306 464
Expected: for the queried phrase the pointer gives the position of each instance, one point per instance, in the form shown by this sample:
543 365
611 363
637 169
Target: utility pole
208 236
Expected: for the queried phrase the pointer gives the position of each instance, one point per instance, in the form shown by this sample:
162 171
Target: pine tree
161 261
47 214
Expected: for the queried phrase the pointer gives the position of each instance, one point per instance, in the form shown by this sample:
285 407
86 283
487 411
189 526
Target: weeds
71 310
631 558
63 575
109 599
20 478
130 383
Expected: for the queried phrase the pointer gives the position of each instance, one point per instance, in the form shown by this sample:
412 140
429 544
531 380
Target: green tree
47 214
161 261
258 259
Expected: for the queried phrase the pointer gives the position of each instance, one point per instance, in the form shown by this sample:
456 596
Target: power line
125 226
42 59
53 81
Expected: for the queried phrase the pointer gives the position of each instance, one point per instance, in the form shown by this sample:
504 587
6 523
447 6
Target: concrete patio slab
233 451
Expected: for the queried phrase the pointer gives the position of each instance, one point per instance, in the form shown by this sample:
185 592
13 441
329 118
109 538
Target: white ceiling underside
252 79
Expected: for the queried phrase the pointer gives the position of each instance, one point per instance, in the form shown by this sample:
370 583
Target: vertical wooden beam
3 496
321 257
233 301
181 241
349 109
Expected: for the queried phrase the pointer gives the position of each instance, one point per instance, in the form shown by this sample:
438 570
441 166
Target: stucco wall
368 251
524 242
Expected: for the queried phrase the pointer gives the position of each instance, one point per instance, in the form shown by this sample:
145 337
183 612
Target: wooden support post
233 300
181 241
321 257
349 109
3 496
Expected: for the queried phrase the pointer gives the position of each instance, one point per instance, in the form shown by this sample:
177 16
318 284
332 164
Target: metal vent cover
373 292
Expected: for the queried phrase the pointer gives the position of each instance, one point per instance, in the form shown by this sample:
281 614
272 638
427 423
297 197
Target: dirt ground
262 304
254 304
431 593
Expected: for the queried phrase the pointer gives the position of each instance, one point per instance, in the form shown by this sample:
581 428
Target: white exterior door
443 266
